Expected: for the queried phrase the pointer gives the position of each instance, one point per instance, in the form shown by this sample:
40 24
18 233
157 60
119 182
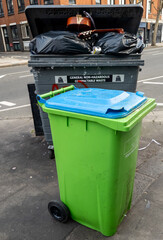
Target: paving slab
28 182
155 194
11 59
152 127
8 62
25 216
143 222
141 184
152 167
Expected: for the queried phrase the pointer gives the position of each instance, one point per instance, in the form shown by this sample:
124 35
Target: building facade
15 33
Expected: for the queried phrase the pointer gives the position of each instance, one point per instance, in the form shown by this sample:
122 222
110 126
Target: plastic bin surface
46 18
97 102
110 72
96 162
52 72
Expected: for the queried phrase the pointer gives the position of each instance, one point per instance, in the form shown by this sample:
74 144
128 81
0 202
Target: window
98 1
21 5
47 2
111 2
1 9
122 2
133 1
33 2
10 6
14 32
142 2
149 6
72 1
5 32
25 30
16 46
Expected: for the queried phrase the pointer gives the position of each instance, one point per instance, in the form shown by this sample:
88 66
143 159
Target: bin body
107 72
96 156
96 169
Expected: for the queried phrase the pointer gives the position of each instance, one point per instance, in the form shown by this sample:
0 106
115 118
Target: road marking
157 83
2 76
9 104
149 79
155 54
9 109
16 73
16 56
30 75
153 49
8 74
160 104
152 52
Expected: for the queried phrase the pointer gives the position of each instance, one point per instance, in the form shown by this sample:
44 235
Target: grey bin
96 71
52 72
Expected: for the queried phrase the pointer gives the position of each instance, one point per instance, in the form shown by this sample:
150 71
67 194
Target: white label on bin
60 79
130 145
118 77
89 78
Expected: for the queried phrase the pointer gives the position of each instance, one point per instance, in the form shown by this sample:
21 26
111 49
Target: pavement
11 59
28 180
157 45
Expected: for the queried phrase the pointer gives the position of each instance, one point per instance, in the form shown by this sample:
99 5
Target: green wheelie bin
96 136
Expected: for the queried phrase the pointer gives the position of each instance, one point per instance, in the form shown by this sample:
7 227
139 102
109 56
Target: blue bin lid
97 102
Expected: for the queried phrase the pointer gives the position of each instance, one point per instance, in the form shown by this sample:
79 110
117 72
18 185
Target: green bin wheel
58 211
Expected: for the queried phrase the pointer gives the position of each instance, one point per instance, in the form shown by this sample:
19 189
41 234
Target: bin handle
41 98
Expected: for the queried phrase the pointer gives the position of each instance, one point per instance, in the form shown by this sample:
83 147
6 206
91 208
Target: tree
159 10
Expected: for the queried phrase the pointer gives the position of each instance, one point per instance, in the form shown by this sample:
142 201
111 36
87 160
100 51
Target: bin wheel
51 153
59 211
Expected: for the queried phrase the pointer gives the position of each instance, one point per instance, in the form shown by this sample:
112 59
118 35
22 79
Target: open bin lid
42 19
97 102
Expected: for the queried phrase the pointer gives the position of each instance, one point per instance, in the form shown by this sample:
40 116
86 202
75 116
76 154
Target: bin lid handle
41 98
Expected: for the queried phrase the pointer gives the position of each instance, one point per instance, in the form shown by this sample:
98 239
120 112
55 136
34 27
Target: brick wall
153 13
18 17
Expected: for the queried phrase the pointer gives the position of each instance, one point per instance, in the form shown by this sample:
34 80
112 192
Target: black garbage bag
118 43
59 42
